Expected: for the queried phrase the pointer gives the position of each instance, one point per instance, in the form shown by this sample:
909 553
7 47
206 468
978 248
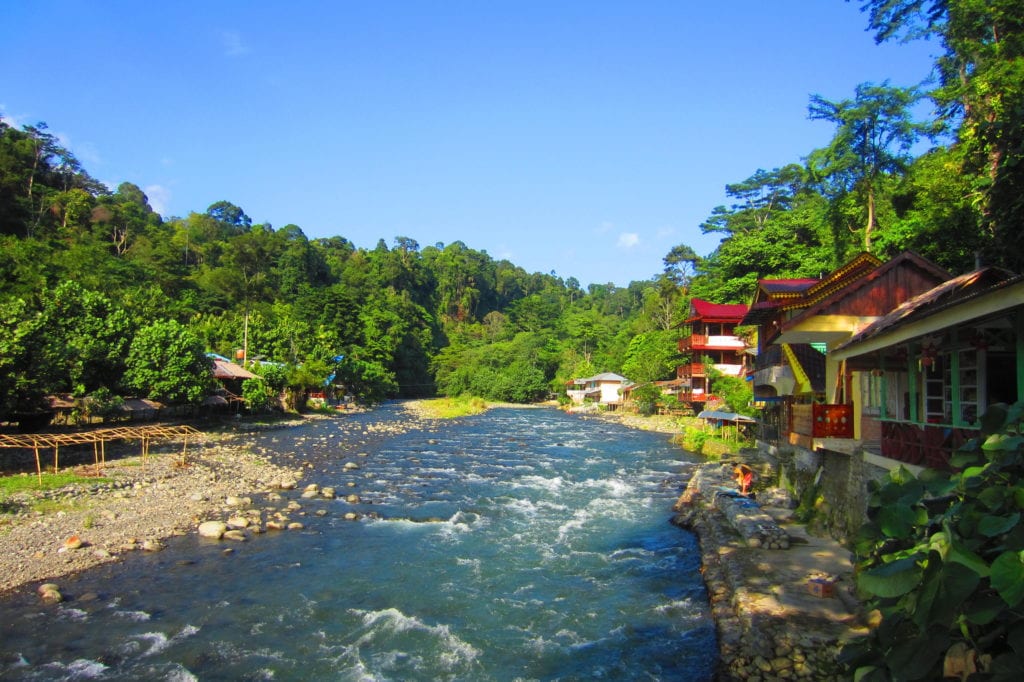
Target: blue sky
586 138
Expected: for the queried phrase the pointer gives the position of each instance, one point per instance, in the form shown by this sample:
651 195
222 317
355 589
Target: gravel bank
138 505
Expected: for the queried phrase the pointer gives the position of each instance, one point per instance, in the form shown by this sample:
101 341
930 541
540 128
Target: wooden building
709 338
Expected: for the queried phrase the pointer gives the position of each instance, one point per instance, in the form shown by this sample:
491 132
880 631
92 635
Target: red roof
726 312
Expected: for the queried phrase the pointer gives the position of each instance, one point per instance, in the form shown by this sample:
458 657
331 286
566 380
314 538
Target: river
520 544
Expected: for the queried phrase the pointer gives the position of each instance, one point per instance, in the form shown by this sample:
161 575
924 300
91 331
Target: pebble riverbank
140 502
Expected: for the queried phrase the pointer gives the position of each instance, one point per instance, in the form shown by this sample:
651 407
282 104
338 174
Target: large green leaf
961 554
897 520
1002 441
1008 577
953 585
917 658
994 497
992 525
984 609
893 579
994 419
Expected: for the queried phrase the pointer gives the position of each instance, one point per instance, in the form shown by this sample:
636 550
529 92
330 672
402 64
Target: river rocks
351 516
50 592
212 529
287 484
151 545
234 534
328 493
238 522
350 466
73 542
352 499
295 525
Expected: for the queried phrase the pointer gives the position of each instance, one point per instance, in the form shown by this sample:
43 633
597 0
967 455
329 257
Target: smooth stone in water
213 529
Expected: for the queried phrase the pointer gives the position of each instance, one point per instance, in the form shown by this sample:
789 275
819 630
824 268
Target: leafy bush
942 560
167 362
646 398
257 394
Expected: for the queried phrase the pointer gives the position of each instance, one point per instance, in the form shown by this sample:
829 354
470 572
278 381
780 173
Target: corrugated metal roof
222 369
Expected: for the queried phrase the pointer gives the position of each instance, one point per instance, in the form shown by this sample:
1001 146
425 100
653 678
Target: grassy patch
10 485
449 408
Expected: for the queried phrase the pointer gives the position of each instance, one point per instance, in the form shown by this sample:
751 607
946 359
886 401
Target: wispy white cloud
628 240
605 227
159 197
233 44
10 119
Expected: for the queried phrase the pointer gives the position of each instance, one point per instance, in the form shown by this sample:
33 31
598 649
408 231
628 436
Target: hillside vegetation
101 297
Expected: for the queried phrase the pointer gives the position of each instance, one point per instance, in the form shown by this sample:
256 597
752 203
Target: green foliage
86 340
646 398
368 381
101 403
942 559
694 440
22 334
651 356
735 392
257 394
167 362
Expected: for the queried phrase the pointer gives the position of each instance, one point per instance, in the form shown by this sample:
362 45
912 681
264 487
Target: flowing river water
520 544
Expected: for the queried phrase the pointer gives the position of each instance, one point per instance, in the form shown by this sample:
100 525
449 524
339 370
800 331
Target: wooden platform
98 438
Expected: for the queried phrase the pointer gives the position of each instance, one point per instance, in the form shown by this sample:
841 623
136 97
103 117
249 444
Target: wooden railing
692 369
924 445
691 397
823 421
692 341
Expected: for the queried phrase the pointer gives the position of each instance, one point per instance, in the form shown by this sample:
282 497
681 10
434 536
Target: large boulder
212 529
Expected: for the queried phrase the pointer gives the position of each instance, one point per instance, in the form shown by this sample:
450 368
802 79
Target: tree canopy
92 276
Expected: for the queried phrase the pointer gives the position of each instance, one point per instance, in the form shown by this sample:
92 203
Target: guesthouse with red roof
709 337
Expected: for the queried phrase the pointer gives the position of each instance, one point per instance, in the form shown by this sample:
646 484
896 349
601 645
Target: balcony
696 369
712 342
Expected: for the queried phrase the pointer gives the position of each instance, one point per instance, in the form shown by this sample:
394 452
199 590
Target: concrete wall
833 484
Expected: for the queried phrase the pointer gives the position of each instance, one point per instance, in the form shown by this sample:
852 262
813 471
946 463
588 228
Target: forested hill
101 296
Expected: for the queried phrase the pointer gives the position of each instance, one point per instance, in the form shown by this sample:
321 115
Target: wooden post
56 458
39 463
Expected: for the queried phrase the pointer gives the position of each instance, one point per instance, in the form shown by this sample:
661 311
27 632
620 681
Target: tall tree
981 93
873 138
